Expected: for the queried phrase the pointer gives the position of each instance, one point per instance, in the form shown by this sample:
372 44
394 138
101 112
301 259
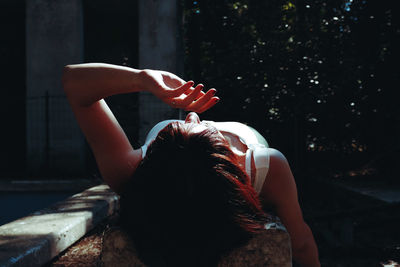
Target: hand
177 93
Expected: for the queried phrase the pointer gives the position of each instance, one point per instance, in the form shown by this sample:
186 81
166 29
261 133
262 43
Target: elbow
70 85
70 82
66 79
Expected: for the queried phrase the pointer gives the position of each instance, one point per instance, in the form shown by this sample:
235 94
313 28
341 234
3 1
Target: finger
178 91
191 90
185 99
202 100
208 105
200 95
192 96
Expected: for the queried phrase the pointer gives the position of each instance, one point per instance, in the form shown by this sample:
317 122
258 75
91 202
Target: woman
191 191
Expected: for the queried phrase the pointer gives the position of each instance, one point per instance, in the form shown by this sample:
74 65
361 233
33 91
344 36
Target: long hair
189 200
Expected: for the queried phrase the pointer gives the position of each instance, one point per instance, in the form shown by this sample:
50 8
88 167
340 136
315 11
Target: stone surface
388 194
36 239
86 253
119 250
270 248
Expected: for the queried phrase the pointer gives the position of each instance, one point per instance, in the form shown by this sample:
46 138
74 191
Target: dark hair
189 200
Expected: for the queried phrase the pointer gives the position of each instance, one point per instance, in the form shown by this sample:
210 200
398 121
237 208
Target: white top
255 150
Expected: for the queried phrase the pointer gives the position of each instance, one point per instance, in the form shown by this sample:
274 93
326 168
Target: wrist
143 77
138 80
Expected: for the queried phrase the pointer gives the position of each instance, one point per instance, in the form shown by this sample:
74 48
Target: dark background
12 74
319 79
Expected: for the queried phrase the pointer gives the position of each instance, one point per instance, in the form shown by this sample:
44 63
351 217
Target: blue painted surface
14 205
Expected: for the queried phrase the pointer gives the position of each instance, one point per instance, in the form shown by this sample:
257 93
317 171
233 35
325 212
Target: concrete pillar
54 38
159 48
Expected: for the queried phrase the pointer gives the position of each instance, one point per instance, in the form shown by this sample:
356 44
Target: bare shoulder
276 156
279 185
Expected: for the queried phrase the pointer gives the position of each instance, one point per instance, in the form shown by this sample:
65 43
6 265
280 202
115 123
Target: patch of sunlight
390 263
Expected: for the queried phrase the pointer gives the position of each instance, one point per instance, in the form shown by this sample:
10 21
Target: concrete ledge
39 237
269 248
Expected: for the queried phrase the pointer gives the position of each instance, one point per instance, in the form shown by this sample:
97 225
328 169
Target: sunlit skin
193 118
86 86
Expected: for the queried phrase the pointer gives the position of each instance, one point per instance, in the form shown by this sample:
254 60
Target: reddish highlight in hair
190 193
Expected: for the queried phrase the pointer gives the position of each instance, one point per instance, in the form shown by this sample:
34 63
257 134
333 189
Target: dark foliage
315 77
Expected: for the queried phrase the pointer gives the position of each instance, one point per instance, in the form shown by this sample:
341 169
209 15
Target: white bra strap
248 161
144 151
261 160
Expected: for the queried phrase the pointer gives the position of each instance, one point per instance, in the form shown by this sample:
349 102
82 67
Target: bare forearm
307 253
85 84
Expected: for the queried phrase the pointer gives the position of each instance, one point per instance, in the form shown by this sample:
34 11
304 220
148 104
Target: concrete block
36 239
270 248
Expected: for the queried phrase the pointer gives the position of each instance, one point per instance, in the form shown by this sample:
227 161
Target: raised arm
86 86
